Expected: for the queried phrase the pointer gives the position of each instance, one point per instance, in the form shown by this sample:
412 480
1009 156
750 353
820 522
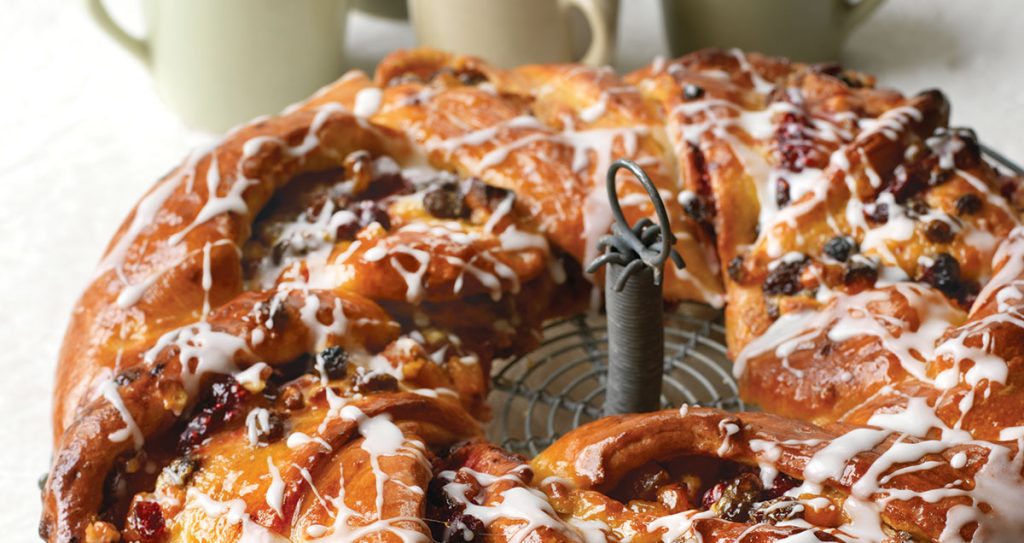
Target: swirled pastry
290 337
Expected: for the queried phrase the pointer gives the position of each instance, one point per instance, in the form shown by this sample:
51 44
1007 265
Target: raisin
385 185
278 251
776 510
917 207
180 470
643 483
938 231
840 248
367 213
480 195
781 192
674 497
444 201
146 520
464 528
736 497
440 500
471 77
968 204
333 361
365 383
692 92
697 209
272 432
943 274
345 231
126 377
877 213
784 277
735 269
860 272
291 398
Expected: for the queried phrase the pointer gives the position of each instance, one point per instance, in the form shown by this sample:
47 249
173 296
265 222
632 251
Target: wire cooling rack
540 396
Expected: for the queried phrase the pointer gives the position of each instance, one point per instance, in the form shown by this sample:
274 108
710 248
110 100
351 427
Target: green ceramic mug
221 62
806 30
513 32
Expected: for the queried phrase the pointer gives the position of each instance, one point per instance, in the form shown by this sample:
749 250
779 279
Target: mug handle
596 13
855 14
139 48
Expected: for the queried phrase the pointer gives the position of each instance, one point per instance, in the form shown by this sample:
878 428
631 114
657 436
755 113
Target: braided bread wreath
290 337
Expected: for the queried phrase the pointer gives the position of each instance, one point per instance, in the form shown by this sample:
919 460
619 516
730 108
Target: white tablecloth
83 136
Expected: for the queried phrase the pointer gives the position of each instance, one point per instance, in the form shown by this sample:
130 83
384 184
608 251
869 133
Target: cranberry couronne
290 337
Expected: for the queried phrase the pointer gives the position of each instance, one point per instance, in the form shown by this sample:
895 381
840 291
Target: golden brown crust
290 337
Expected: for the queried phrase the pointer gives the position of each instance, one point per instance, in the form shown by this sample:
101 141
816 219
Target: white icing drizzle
210 350
108 389
257 422
367 101
275 491
234 513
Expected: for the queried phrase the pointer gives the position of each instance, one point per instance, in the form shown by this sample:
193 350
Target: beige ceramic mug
509 33
221 62
806 30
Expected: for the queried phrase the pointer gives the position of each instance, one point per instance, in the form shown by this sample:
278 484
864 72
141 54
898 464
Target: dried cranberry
781 192
908 181
464 528
784 277
444 201
224 405
692 92
735 268
943 274
712 495
968 204
956 147
840 248
877 213
333 360
783 483
938 231
147 520
794 149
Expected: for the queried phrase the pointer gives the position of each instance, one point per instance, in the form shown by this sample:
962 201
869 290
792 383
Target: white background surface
82 136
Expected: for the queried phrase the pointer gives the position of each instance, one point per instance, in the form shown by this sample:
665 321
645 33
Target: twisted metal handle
631 246
635 256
